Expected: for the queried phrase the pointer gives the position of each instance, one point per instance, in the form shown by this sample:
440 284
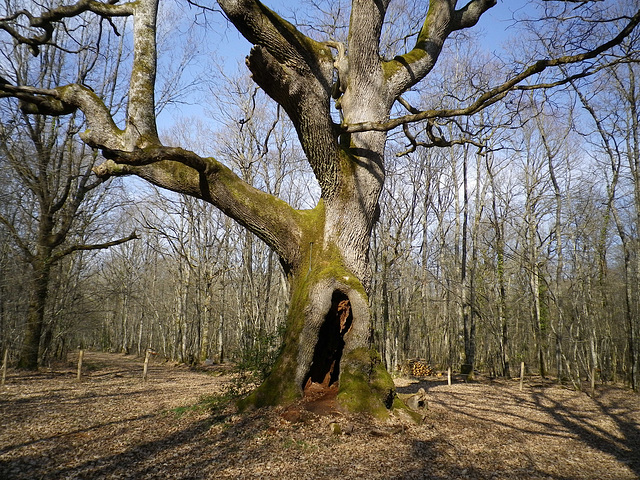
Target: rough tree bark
324 251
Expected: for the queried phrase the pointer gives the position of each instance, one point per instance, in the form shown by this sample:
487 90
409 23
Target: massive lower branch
271 219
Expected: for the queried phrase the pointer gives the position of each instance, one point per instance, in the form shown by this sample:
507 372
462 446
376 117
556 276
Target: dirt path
113 425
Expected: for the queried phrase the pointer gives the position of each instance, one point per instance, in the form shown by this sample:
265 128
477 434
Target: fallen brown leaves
113 425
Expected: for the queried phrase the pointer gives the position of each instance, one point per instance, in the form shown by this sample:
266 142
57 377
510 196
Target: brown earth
114 425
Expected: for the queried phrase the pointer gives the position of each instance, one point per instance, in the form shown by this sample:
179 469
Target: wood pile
417 368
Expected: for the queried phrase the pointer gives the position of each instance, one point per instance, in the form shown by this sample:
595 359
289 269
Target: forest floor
113 425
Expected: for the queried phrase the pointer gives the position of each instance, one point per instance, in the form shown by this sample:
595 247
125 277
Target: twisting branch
36 100
156 154
499 92
140 127
407 105
57 101
285 63
185 172
576 76
47 19
435 140
205 8
482 102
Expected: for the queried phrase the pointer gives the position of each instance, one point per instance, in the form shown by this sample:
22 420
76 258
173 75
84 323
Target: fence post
80 357
521 374
5 360
146 365
449 376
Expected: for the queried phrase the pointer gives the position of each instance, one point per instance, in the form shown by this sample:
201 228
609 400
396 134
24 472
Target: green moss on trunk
365 384
280 387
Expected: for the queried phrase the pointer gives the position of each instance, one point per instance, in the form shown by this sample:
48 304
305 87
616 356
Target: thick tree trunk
502 303
327 343
328 339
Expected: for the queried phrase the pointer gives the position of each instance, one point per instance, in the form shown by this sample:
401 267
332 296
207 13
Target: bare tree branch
182 171
17 238
434 140
98 246
499 92
441 20
65 100
469 15
47 19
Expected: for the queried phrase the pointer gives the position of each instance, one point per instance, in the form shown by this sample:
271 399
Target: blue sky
494 24
231 49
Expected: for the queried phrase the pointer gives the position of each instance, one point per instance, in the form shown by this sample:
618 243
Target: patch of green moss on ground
356 396
275 390
381 381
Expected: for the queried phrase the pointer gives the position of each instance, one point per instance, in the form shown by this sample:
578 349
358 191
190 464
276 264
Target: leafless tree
55 196
339 97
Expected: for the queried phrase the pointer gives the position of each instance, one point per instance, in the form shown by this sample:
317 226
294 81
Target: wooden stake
80 357
5 360
521 374
449 376
146 365
593 380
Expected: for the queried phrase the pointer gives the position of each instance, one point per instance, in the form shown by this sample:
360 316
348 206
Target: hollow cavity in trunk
324 371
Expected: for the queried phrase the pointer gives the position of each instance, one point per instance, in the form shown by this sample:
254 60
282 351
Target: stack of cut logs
417 368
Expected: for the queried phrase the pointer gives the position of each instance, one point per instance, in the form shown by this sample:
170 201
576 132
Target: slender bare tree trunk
35 314
498 223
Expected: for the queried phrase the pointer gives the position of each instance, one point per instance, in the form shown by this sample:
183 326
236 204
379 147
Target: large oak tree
324 251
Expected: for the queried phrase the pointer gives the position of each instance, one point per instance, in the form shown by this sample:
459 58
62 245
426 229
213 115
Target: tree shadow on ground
607 422
427 383
187 453
60 437
625 447
264 444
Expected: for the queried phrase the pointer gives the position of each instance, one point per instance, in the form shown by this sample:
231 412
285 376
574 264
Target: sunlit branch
435 140
47 20
501 91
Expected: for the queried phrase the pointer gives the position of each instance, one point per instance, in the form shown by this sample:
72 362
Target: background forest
520 243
